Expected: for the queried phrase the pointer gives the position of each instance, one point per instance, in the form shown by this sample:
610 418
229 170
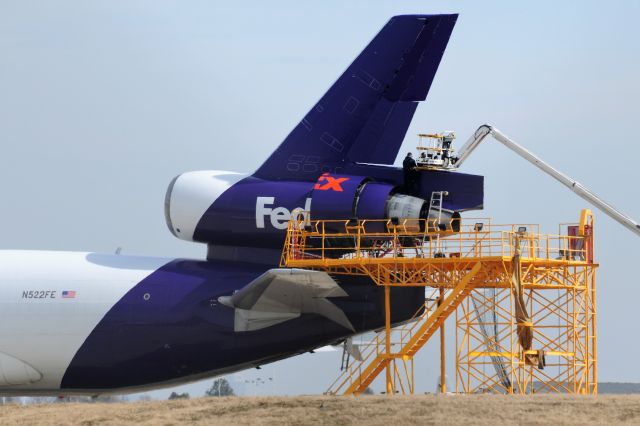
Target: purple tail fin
364 116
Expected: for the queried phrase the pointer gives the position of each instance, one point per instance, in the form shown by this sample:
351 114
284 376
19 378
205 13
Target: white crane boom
485 130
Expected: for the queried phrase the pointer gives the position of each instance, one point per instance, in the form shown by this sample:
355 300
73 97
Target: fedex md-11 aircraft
88 323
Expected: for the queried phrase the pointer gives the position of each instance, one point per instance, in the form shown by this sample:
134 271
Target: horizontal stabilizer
279 295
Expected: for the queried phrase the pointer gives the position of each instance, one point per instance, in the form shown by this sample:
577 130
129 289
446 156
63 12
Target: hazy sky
103 102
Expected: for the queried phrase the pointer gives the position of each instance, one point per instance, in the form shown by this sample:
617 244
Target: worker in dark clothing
410 169
446 149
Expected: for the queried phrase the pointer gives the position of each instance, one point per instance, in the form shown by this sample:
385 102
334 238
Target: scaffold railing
355 246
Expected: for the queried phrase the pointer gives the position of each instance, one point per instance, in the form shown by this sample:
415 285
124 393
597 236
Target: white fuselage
49 304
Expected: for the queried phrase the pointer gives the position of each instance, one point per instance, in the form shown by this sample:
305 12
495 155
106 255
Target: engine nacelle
231 209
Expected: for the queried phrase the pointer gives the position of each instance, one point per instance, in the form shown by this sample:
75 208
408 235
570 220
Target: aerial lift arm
486 130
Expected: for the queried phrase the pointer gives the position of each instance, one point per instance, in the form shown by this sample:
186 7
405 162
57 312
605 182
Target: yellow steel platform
524 302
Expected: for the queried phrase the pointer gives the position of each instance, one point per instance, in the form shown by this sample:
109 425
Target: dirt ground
321 410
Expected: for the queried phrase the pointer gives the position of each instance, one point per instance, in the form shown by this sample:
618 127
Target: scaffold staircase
356 378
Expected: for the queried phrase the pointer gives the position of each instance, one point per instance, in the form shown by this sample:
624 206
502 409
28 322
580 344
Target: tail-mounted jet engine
228 209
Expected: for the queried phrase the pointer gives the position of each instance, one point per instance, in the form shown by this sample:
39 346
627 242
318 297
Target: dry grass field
369 410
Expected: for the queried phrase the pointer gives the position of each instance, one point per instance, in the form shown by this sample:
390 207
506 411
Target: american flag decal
66 294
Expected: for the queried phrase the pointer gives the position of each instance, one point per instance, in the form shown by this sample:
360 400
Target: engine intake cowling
190 195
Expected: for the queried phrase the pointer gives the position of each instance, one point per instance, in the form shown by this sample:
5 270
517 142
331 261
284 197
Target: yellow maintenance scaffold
524 302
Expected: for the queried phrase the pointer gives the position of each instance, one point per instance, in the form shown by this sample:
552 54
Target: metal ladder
436 202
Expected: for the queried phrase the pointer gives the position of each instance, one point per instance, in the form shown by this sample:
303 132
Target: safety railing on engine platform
321 243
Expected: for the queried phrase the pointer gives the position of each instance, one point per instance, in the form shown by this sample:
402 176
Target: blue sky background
103 102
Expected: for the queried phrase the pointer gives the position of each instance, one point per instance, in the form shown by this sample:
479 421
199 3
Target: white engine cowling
190 195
